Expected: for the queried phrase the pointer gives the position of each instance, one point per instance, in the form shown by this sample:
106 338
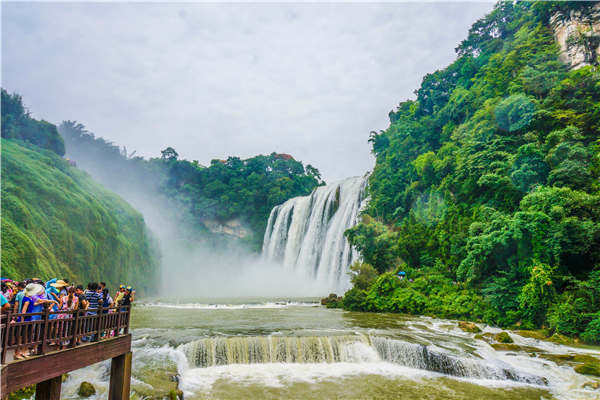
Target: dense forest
56 221
205 196
485 190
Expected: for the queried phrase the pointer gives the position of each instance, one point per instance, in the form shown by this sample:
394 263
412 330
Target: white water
253 347
306 234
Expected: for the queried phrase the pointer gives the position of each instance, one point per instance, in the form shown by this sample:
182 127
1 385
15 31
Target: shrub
592 332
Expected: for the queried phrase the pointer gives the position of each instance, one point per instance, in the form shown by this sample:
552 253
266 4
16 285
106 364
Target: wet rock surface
86 389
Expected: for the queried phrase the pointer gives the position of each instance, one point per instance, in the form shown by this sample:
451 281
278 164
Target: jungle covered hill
58 222
224 202
486 186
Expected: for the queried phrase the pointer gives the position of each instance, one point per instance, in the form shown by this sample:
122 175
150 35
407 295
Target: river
297 349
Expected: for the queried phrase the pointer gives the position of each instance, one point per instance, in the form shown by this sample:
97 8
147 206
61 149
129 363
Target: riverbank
430 291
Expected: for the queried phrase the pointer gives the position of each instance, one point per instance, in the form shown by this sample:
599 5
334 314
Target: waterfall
269 349
306 234
422 357
210 352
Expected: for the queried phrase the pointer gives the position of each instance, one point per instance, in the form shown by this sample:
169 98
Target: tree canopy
487 183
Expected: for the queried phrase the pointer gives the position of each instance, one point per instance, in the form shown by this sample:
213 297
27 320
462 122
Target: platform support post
120 377
48 390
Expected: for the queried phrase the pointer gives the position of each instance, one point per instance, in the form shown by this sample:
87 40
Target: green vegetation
57 222
225 190
486 190
17 124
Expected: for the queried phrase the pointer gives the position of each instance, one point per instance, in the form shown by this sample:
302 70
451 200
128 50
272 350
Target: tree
169 154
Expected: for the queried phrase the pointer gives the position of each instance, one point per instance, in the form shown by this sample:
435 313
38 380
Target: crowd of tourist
33 295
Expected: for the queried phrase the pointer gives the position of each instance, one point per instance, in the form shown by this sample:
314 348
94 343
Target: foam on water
281 374
200 306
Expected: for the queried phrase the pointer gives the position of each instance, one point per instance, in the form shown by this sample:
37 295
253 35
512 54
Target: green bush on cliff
57 222
486 186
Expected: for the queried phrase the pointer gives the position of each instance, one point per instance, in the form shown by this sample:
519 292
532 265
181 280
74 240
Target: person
33 302
126 299
69 302
92 297
82 303
60 287
102 286
19 297
131 294
5 290
119 295
107 301
30 289
4 304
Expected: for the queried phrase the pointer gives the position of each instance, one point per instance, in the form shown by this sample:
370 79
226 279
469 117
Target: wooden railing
55 330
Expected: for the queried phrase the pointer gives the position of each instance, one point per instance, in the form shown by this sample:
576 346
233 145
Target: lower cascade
212 352
306 234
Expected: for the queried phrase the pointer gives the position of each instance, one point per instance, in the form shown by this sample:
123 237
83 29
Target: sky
219 80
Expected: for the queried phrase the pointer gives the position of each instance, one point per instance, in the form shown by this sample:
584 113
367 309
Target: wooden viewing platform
64 341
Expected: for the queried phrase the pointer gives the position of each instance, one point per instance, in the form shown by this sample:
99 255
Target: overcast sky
229 79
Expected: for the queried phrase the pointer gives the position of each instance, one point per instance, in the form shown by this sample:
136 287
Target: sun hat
59 283
33 289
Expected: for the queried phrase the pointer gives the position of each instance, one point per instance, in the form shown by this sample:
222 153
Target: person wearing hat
131 293
34 300
119 295
60 287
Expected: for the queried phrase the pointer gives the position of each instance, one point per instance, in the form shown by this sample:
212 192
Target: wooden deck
62 342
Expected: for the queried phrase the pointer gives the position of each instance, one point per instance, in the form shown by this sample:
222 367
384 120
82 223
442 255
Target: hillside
57 222
486 190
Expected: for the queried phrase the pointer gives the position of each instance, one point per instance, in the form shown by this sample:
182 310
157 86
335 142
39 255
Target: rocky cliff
578 35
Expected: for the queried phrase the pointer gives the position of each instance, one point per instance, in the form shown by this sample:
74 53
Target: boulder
503 337
175 394
560 339
468 327
86 389
332 301
486 337
514 347
537 334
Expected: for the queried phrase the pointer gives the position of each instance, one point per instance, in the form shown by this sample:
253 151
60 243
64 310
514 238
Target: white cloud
213 80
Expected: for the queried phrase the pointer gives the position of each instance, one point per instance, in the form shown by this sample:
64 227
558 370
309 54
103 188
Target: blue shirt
3 300
32 308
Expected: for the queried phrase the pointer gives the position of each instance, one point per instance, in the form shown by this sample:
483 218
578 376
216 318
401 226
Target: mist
192 260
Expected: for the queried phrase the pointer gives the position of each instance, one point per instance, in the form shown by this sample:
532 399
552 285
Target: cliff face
578 36
233 227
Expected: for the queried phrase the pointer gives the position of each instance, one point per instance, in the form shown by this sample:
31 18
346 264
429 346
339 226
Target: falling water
210 352
306 233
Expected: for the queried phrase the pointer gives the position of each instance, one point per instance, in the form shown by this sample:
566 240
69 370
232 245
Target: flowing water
296 349
306 234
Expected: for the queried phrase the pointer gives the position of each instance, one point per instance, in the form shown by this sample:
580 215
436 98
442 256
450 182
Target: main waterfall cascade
306 234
